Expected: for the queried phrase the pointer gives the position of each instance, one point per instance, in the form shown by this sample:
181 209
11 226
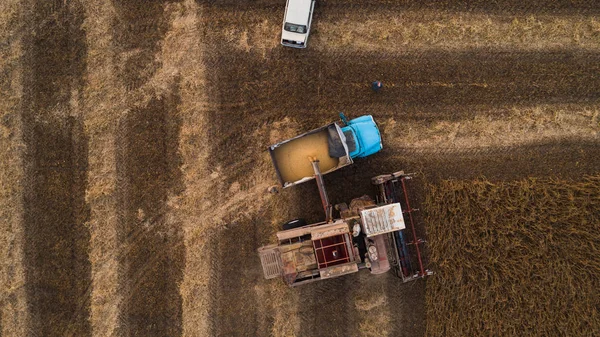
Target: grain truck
334 146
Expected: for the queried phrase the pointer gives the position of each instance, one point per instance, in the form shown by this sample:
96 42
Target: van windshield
290 27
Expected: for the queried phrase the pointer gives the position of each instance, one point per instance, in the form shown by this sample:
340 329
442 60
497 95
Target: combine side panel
339 270
383 219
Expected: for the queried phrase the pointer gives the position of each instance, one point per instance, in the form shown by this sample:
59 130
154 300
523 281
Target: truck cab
362 136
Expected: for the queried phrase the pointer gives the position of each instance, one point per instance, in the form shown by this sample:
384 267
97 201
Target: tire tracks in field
138 28
148 173
325 308
58 272
568 158
498 6
14 316
431 84
235 270
427 87
152 257
423 86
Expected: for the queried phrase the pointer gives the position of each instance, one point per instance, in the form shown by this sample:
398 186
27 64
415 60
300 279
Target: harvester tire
294 224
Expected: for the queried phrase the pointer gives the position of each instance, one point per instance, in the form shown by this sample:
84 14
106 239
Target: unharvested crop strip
514 257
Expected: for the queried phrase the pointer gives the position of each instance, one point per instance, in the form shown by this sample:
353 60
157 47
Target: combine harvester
367 235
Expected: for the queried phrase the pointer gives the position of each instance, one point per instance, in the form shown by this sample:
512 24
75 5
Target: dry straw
519 258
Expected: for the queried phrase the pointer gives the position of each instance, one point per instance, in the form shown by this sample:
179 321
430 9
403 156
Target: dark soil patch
326 309
55 54
568 159
406 303
152 257
427 87
235 271
57 273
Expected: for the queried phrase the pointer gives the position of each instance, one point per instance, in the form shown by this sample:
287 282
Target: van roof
298 11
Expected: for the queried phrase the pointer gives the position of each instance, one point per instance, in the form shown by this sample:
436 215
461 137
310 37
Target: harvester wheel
294 224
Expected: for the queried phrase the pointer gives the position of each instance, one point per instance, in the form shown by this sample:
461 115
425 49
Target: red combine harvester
368 234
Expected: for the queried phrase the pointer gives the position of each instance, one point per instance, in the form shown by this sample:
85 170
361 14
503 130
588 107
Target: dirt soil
133 137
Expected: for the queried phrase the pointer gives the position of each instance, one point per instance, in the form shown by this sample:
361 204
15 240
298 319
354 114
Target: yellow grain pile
514 259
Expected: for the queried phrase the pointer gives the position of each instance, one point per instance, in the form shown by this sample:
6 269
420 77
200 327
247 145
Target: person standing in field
376 86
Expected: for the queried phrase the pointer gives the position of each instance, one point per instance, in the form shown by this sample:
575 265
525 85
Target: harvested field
152 253
516 258
57 272
134 168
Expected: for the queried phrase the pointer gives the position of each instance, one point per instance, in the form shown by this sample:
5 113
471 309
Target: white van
296 23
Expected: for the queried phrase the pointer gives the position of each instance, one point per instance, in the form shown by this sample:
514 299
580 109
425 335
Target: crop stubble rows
148 172
249 91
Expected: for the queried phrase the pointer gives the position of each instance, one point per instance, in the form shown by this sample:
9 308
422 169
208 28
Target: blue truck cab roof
366 137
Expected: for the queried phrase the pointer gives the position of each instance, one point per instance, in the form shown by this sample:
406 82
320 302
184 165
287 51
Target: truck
333 146
375 234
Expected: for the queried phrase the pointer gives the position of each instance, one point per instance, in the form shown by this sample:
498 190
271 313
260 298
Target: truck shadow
57 269
152 254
